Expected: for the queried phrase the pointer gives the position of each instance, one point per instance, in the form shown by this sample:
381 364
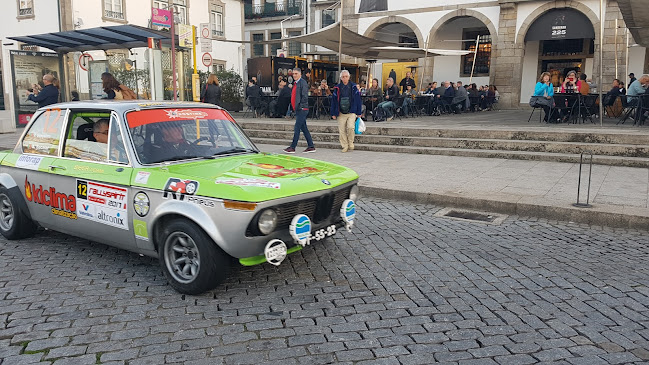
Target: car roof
121 106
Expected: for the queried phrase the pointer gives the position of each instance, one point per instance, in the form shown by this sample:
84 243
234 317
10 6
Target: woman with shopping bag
346 106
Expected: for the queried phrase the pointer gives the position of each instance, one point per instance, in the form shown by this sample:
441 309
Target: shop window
114 10
25 8
482 56
258 48
328 17
275 46
45 133
568 47
216 20
294 48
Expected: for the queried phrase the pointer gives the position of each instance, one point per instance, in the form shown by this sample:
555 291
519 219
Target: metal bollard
590 174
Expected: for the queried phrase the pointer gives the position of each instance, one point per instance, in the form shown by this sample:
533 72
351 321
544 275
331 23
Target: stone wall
507 58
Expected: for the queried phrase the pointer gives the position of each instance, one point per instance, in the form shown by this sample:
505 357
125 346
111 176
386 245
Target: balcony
26 12
271 10
113 15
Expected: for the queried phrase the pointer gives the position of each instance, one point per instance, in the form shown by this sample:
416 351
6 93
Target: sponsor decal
201 201
88 169
178 189
102 203
300 229
62 204
280 171
249 182
185 114
28 162
142 177
141 204
141 232
348 213
275 252
326 182
267 166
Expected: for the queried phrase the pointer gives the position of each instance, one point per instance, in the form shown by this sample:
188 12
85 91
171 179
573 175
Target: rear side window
45 133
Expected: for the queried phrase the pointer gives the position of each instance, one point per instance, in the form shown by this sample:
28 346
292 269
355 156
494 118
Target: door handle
53 167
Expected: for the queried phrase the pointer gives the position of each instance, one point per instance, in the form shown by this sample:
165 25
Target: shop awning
636 17
357 45
101 38
559 24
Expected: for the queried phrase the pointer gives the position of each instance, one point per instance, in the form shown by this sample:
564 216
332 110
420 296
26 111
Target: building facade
28 17
518 39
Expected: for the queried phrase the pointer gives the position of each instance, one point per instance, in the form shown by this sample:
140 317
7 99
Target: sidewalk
619 195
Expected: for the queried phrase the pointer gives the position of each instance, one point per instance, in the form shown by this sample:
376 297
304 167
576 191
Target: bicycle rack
590 174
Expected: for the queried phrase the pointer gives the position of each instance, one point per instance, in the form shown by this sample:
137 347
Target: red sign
83 61
207 59
161 17
24 118
143 117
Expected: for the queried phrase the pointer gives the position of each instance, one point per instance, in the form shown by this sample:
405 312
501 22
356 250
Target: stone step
604 149
504 154
602 137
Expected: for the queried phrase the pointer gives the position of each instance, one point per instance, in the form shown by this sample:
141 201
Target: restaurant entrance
558 57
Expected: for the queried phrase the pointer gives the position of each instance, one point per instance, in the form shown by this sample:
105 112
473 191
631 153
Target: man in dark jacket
407 81
300 103
460 98
48 95
391 93
346 106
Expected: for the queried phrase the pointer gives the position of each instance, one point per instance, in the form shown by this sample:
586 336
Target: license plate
323 233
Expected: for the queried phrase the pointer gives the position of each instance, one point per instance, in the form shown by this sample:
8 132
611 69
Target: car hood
248 177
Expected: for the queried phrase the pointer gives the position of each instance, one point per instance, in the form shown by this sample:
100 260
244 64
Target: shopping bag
359 128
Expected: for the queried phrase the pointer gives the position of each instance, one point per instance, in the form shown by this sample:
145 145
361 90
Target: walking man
346 106
300 103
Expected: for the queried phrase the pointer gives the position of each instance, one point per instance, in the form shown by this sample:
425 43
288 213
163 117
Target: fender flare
14 192
190 212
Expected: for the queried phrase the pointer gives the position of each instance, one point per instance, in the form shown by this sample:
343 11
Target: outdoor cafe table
575 106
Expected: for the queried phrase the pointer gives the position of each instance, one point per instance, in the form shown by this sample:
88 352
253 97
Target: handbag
359 127
541 101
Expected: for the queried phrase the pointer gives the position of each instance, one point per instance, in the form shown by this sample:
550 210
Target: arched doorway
463 32
557 41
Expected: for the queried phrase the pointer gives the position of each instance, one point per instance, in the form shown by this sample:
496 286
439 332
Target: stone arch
466 12
525 26
371 30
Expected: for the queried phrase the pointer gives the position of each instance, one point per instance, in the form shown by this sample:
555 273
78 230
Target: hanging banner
185 35
161 17
28 68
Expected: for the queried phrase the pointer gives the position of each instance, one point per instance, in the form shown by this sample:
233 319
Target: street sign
205 37
83 61
185 34
207 59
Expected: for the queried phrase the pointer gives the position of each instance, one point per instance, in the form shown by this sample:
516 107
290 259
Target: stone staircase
608 148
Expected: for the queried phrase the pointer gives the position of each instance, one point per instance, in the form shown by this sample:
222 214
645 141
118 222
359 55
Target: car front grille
318 209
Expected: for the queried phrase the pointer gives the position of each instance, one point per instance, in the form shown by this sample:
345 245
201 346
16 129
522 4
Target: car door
99 175
29 166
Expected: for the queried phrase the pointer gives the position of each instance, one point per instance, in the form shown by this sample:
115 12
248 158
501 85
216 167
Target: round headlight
354 193
267 221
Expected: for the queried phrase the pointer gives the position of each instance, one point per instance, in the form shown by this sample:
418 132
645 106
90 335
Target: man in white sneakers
346 106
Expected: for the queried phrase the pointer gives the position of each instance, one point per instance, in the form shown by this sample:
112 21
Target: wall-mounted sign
205 37
161 17
561 23
207 59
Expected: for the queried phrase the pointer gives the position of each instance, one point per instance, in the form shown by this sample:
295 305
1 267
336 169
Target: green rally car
177 181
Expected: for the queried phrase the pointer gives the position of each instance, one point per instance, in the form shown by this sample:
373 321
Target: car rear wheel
191 261
14 223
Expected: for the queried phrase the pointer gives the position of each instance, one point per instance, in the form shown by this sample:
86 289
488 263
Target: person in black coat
47 95
212 91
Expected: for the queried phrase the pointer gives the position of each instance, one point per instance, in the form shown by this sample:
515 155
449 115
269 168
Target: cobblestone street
403 288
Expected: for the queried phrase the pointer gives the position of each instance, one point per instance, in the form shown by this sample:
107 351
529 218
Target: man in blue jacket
300 103
48 95
346 106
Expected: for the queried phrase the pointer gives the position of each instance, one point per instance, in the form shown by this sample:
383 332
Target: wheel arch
9 183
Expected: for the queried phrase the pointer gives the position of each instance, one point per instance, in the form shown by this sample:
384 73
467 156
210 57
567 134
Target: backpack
127 94
378 114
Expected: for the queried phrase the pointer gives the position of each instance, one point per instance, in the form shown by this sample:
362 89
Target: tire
15 222
205 265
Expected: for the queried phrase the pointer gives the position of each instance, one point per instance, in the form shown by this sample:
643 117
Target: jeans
300 126
407 102
387 106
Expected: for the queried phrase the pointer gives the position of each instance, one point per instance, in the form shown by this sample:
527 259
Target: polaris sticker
105 204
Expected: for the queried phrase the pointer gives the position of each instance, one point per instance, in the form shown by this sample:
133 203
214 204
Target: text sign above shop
561 24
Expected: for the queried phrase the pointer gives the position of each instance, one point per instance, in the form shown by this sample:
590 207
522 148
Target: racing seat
84 132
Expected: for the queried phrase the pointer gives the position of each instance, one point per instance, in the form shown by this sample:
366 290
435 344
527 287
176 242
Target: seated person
391 94
460 98
173 143
100 131
408 100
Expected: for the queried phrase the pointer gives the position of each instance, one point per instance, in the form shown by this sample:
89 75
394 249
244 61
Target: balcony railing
267 10
113 15
217 33
26 12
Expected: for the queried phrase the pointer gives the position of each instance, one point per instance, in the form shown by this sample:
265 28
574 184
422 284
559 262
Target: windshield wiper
235 150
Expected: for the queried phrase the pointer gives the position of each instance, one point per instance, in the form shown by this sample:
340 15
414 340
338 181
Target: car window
117 152
87 136
44 135
161 135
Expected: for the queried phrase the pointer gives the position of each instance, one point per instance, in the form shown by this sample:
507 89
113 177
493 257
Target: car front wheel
191 261
14 223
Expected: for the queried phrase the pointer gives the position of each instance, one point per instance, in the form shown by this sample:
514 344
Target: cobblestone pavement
404 288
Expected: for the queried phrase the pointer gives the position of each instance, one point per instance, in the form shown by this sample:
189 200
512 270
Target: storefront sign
561 24
161 17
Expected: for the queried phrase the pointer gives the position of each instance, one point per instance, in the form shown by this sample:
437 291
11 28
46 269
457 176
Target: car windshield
161 135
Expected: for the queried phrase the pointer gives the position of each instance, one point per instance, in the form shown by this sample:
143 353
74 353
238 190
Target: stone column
612 12
507 58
